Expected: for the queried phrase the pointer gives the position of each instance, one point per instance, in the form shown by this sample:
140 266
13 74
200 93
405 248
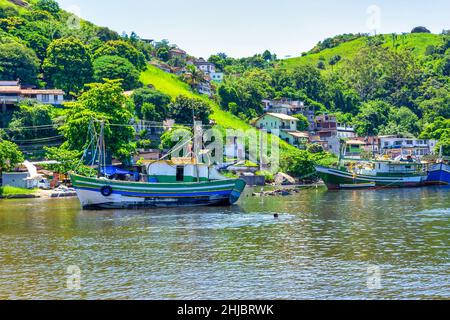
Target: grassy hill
417 42
171 85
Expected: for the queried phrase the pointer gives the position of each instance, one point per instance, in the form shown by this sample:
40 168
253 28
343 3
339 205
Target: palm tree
193 76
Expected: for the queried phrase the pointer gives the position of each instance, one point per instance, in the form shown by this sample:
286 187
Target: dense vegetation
380 84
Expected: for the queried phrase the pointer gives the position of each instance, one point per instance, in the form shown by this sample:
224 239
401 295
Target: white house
205 66
344 131
396 145
11 93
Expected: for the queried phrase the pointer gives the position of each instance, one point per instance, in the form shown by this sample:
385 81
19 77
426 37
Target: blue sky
244 27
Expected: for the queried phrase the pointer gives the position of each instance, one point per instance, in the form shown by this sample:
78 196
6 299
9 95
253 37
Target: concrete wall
15 179
254 180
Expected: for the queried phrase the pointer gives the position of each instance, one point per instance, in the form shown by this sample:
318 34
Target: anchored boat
438 174
176 182
373 174
172 184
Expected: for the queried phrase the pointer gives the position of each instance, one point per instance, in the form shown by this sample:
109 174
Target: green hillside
417 42
173 86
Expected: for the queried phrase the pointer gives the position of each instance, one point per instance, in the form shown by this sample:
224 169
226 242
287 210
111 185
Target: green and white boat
373 174
170 184
176 182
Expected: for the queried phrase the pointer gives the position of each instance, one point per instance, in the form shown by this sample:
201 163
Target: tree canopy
102 102
18 62
115 67
68 64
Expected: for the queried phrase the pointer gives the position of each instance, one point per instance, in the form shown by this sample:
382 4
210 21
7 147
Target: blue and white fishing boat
438 174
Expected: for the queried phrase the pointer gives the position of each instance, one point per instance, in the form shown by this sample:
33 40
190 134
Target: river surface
386 244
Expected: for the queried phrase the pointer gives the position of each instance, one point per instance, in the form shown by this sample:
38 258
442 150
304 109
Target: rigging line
32 127
39 139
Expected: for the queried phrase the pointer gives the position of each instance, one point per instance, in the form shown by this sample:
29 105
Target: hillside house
329 123
353 148
205 66
177 53
287 127
290 107
12 93
204 88
217 76
396 146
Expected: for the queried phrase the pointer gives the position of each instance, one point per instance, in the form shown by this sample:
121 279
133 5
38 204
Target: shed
16 179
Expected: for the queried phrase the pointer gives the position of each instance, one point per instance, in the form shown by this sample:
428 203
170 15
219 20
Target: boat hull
439 174
132 195
337 179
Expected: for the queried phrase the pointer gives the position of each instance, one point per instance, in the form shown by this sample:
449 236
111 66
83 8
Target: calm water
321 247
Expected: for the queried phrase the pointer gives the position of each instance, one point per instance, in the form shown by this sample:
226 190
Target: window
55 98
180 173
45 97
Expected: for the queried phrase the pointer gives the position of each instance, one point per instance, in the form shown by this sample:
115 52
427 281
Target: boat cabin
377 168
180 171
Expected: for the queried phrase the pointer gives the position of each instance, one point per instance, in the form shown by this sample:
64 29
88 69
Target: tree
10 156
163 54
183 109
193 76
445 66
303 123
420 30
309 80
407 120
18 62
32 116
439 130
114 67
315 148
49 6
150 113
67 161
68 64
103 101
173 136
335 59
154 97
373 114
267 55
122 49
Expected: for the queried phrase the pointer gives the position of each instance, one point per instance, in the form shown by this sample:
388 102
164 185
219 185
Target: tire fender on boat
106 191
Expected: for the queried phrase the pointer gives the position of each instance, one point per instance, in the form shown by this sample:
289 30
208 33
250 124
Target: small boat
373 174
166 183
438 174
358 185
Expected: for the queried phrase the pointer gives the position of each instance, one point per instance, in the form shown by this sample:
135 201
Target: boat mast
101 147
196 145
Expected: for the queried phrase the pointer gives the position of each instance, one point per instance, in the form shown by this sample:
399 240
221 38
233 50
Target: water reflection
320 247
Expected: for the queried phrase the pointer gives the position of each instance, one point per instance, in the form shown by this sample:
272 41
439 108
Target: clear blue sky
244 27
